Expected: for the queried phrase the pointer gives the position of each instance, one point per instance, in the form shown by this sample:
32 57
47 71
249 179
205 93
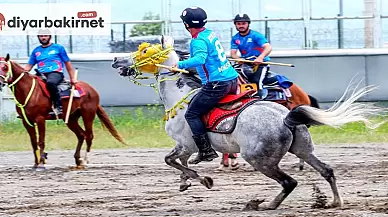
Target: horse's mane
17 66
191 79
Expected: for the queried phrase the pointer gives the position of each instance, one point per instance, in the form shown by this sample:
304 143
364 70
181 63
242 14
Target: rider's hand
73 81
259 60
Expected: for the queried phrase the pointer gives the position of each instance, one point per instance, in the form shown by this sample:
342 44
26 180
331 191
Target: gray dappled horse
264 131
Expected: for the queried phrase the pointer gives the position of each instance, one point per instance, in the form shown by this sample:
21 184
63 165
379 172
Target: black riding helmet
242 18
194 17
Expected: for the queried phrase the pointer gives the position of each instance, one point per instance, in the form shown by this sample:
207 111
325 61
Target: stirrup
200 157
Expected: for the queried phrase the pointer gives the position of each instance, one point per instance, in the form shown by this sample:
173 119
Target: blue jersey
209 58
49 59
249 45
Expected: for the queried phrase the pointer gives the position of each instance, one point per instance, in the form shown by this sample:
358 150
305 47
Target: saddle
222 118
63 87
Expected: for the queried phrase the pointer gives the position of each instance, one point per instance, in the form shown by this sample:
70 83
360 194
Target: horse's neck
23 86
169 92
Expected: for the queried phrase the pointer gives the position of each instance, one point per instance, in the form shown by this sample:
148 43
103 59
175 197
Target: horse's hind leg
187 173
286 181
88 118
303 148
184 183
79 132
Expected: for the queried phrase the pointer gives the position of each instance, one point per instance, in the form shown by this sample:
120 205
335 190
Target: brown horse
34 104
298 97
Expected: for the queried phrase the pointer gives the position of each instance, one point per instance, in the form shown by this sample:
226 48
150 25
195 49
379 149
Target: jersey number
220 50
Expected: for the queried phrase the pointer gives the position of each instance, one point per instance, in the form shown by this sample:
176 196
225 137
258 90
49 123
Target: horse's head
145 58
5 70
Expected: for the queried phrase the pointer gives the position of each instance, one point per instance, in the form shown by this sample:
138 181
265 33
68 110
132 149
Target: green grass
143 127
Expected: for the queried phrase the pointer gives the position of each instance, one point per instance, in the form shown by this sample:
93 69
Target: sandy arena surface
137 182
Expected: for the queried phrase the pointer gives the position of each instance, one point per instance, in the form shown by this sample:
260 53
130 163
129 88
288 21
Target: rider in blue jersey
217 75
252 46
50 59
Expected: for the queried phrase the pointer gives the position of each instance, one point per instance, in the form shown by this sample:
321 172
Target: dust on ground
137 182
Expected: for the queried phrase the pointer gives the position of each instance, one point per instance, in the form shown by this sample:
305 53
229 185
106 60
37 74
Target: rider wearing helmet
253 46
50 58
217 75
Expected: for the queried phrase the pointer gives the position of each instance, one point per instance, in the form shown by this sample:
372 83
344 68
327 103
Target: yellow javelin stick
269 63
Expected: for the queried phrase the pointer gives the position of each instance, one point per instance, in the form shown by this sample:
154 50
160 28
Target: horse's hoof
235 166
184 187
79 167
39 168
207 182
336 204
222 167
255 205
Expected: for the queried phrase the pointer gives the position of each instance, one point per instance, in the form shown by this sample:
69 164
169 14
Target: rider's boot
206 152
58 107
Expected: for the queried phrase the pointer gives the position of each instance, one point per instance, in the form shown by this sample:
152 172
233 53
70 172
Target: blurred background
329 41
289 25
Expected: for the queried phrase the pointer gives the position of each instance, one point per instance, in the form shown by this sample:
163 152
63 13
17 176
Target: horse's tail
339 114
108 124
313 102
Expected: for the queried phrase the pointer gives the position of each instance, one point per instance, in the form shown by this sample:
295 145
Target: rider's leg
258 77
53 79
203 102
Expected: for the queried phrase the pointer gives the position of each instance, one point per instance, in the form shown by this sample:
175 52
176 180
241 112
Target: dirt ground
139 183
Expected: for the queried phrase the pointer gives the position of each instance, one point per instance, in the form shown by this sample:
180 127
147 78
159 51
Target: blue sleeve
32 60
63 54
233 44
199 55
260 39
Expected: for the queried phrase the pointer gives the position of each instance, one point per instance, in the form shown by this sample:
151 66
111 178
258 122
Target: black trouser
257 76
53 79
206 99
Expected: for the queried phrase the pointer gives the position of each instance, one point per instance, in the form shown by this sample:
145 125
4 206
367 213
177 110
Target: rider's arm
233 49
263 42
199 49
31 62
66 60
267 48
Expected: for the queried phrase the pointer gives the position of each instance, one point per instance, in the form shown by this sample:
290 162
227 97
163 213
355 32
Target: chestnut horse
33 106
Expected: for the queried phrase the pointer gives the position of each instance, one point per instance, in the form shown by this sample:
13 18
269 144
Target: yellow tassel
186 101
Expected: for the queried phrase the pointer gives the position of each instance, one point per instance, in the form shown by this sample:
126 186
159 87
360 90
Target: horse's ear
7 57
162 42
167 41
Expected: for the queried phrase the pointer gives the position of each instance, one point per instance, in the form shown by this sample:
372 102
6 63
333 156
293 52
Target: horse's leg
184 183
34 142
303 148
79 132
224 161
234 165
299 97
178 152
286 181
41 124
301 164
265 158
88 118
